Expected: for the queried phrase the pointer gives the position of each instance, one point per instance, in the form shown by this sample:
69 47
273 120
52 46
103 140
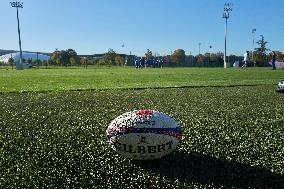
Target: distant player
273 60
246 55
136 62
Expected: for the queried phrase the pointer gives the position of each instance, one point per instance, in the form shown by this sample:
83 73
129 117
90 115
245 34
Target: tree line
69 57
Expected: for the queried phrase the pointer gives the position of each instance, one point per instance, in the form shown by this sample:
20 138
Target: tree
167 59
102 62
279 56
200 59
260 53
71 53
262 45
109 57
11 62
148 54
213 57
73 61
178 57
119 60
46 63
83 61
55 57
63 57
38 62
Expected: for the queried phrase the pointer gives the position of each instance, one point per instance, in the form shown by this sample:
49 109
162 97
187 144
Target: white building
26 56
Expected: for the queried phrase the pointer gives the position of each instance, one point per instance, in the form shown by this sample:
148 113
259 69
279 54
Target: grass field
232 136
124 78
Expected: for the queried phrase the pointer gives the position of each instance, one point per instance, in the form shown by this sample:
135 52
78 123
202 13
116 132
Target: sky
94 26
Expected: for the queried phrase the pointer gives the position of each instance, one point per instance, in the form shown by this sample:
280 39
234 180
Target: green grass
115 78
232 136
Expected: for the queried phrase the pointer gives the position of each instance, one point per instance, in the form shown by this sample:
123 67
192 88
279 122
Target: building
26 55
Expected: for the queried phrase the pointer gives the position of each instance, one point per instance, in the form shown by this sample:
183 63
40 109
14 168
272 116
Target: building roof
16 57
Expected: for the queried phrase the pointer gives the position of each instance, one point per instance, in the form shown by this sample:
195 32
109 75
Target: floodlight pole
209 53
225 54
253 31
199 44
18 5
226 15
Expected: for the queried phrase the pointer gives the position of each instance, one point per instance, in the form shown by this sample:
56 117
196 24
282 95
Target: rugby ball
143 134
280 86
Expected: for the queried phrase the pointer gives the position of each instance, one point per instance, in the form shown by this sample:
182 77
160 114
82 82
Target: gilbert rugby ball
143 134
280 86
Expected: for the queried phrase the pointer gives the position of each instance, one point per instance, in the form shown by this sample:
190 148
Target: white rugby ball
280 86
143 134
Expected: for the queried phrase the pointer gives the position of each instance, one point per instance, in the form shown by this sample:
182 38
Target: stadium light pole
210 47
18 5
253 32
199 44
226 15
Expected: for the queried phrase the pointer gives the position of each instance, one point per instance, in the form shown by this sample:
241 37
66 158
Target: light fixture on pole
253 31
226 15
209 53
18 5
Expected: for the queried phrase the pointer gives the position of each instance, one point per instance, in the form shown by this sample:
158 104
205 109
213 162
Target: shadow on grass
208 170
